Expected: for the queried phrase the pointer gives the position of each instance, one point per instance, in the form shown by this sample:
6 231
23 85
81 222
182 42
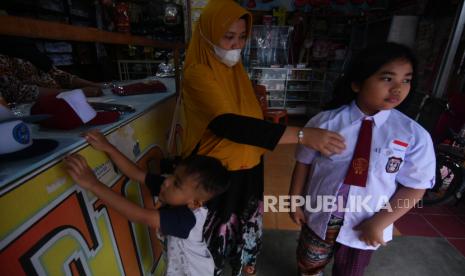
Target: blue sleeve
153 182
177 221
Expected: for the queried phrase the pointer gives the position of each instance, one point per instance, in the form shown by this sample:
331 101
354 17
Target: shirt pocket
389 162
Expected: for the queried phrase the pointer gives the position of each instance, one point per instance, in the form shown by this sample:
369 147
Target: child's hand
325 141
370 233
81 173
298 216
97 140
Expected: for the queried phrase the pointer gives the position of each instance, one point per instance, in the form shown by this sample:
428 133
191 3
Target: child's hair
211 175
365 64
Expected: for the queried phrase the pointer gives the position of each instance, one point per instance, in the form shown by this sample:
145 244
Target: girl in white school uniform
388 163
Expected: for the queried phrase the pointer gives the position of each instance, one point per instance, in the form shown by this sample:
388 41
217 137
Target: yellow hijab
210 88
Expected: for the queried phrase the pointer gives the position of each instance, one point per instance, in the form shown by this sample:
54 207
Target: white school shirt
190 257
401 153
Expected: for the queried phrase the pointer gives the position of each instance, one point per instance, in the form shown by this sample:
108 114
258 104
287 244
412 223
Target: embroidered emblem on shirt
393 164
360 165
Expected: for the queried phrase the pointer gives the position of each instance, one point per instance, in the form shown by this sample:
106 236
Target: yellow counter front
50 226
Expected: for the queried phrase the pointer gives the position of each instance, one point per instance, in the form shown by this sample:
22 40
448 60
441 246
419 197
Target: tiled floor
436 221
404 256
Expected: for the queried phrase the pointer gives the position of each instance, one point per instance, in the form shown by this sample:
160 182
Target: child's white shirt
190 257
401 152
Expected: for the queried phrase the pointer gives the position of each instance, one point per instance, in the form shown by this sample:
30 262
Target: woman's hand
325 141
298 217
91 91
370 232
82 174
97 140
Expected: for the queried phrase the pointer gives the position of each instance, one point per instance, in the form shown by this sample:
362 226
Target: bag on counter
147 87
69 110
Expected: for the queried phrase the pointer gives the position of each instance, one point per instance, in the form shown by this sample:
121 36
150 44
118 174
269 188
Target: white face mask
228 57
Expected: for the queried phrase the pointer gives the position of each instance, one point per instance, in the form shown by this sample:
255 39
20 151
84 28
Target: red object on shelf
140 88
122 17
300 3
251 4
274 114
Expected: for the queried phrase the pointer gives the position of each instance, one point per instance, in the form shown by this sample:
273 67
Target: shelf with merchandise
267 79
297 110
303 80
296 89
35 28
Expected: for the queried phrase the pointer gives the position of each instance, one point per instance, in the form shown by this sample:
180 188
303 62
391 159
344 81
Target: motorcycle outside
449 188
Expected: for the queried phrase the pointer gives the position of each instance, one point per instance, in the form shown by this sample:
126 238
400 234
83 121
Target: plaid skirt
313 253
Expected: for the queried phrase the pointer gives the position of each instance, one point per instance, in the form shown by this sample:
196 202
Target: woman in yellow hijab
222 118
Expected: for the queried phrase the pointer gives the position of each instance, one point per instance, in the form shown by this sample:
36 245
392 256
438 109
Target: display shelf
34 28
300 80
19 26
268 79
134 69
299 92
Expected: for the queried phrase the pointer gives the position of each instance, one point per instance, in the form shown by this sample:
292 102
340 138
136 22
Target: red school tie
358 170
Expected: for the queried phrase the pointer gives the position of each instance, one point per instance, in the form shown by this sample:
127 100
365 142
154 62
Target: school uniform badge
393 164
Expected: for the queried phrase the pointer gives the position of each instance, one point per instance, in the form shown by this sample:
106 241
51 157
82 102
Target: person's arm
14 90
299 178
154 182
83 175
247 130
256 132
48 91
371 230
325 141
70 81
78 82
98 141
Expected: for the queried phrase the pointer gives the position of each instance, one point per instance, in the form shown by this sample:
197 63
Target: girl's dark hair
365 64
211 175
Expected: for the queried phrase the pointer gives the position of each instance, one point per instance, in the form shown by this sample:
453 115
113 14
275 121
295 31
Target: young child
388 163
196 180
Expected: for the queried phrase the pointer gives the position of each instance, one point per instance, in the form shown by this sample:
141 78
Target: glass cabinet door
274 79
306 90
